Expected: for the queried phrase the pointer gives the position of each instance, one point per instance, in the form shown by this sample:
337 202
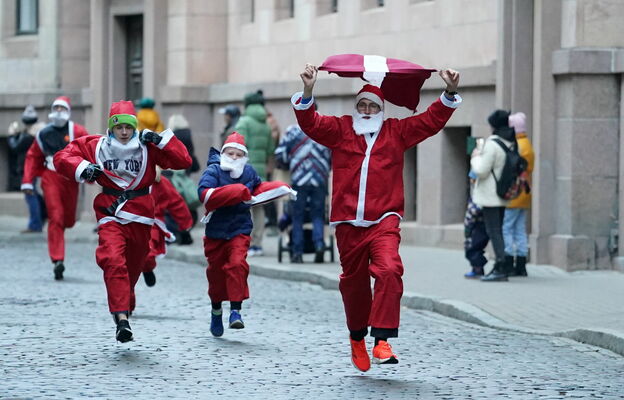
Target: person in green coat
260 145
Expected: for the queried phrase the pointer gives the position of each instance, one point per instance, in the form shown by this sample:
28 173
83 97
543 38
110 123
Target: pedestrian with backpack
514 223
488 164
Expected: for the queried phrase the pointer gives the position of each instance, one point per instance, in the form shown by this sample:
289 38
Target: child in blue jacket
226 188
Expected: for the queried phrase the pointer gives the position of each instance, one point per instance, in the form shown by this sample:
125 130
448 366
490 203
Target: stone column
154 48
588 111
100 24
547 38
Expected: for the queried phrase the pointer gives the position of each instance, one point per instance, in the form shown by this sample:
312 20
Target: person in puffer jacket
226 189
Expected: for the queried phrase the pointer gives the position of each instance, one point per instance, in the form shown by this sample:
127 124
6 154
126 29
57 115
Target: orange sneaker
359 355
382 354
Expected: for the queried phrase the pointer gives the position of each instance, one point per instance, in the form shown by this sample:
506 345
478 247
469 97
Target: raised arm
170 152
323 129
417 128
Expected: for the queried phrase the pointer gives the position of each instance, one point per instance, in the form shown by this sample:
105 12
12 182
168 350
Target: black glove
91 173
148 136
185 238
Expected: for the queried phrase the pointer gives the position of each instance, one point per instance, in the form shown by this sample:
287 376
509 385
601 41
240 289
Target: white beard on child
235 167
363 123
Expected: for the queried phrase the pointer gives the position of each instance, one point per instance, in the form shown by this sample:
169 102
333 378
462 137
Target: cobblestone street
57 341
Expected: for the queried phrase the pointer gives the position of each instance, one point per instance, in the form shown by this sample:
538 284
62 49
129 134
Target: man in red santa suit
124 163
59 193
367 202
166 200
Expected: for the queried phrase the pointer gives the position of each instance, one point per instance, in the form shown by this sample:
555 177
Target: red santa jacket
167 199
368 170
170 153
38 162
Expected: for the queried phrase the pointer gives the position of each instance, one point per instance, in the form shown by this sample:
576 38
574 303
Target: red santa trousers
61 198
158 247
366 252
121 254
227 269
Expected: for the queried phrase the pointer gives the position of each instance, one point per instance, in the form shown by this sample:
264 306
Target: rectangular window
27 17
324 7
368 4
284 9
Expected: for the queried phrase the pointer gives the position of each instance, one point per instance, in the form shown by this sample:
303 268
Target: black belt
122 195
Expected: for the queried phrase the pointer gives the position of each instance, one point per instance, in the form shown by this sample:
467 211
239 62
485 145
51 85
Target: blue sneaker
216 324
236 321
475 273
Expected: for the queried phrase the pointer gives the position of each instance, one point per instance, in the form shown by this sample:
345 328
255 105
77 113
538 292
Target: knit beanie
122 112
518 122
499 119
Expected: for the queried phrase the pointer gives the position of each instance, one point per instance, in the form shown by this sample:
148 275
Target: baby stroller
284 243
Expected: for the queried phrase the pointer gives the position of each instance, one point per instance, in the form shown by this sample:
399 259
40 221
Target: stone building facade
559 61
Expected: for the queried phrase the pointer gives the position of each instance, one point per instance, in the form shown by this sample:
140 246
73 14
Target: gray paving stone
57 341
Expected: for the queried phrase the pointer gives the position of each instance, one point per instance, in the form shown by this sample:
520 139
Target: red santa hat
372 93
62 101
122 112
235 140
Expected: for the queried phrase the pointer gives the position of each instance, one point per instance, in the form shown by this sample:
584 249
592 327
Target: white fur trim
70 126
271 195
27 186
166 137
81 167
134 217
375 69
364 223
49 162
449 103
370 142
206 218
60 102
297 104
236 146
208 194
369 96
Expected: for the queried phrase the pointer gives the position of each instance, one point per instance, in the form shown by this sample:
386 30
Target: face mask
59 118
235 167
362 124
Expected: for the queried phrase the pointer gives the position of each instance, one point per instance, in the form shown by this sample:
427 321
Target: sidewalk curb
607 339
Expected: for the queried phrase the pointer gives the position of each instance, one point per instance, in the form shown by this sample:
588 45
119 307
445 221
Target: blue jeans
514 232
35 222
314 198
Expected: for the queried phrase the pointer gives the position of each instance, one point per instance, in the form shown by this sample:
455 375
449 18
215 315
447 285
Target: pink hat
62 101
235 140
372 93
518 122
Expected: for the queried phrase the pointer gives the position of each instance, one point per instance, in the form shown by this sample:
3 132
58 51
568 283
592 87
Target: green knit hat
122 112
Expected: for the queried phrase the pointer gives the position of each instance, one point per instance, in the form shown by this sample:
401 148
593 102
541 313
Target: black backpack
513 179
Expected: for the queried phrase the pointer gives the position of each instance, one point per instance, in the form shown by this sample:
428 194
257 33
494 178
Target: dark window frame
18 10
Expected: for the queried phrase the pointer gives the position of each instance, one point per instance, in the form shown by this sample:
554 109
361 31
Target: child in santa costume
227 188
59 193
166 200
124 163
367 155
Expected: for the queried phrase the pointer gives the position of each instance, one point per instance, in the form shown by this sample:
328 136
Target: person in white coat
487 163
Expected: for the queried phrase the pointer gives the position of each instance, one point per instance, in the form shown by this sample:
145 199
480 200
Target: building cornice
588 60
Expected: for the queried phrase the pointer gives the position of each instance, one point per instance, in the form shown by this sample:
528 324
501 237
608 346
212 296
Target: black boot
498 273
150 278
521 266
509 265
59 267
123 332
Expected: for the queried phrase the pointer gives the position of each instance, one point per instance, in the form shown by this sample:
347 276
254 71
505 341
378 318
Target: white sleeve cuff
81 167
166 137
297 104
452 104
26 186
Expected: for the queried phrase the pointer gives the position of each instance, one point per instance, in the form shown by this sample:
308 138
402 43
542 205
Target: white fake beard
235 167
59 118
362 125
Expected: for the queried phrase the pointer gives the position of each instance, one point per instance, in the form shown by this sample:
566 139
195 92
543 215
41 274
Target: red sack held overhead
399 80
